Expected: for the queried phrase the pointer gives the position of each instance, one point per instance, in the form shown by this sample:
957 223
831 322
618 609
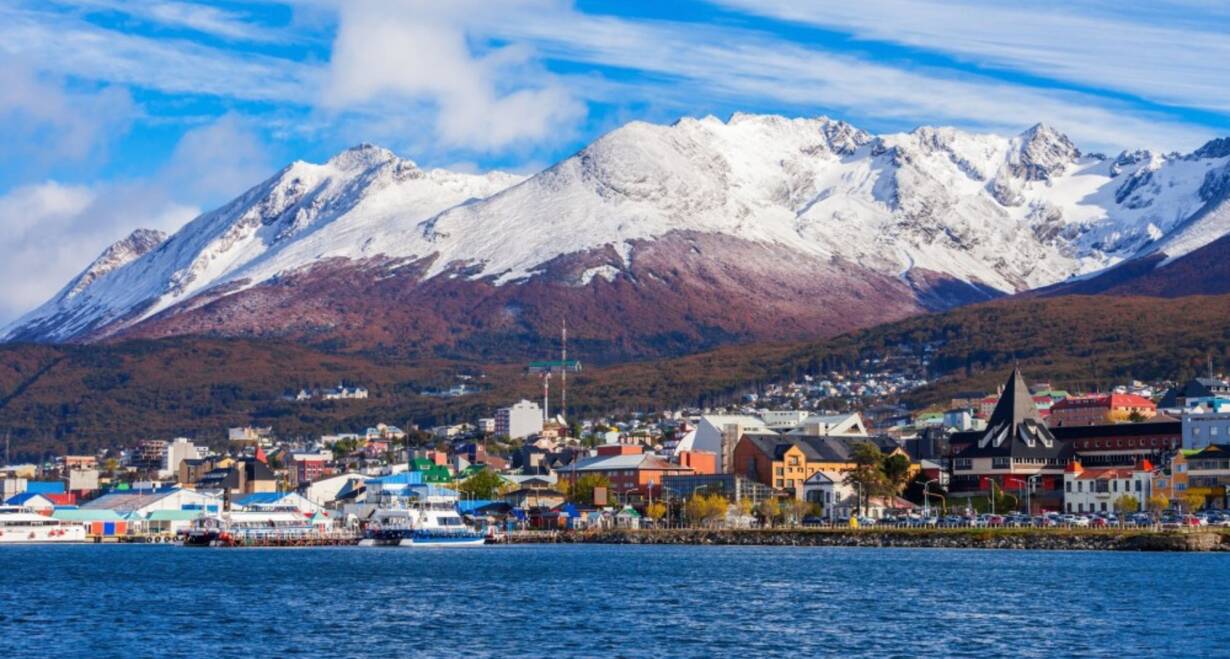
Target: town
1024 455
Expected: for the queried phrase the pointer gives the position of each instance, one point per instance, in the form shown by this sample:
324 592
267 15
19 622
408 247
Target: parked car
812 520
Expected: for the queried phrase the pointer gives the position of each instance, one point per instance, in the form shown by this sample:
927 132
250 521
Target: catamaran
23 525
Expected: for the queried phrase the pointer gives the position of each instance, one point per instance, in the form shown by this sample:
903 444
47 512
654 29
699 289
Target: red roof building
1098 409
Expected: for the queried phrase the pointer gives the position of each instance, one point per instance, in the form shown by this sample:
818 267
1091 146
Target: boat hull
464 541
28 536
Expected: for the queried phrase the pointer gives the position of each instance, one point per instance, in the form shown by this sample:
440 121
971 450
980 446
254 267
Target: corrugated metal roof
85 515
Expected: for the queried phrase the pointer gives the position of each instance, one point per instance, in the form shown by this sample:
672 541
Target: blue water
559 600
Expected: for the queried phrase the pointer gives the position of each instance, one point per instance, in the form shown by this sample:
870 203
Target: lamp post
926 495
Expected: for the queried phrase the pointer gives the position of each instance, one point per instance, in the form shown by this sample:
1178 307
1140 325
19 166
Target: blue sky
118 114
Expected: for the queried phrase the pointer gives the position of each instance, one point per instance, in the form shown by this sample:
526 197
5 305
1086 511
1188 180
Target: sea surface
608 601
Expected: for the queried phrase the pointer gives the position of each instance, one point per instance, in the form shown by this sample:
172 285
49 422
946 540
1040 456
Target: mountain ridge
659 217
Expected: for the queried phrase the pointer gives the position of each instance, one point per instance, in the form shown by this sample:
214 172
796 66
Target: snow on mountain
1003 213
119 254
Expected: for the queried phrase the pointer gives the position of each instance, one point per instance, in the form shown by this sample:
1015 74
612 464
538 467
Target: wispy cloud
1168 52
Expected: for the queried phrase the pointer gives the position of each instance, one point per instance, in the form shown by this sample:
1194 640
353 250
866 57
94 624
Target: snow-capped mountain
679 236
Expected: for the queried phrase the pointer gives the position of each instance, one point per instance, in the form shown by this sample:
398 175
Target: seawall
1043 539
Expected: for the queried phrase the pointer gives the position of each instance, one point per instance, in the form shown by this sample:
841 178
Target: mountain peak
118 254
1045 153
1214 148
362 157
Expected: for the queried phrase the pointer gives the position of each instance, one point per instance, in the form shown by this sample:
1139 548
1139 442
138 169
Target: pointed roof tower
1016 419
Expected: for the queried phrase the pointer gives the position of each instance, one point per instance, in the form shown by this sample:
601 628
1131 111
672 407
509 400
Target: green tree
485 484
1127 504
582 491
868 473
896 472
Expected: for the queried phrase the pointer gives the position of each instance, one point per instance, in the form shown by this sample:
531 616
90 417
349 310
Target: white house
829 490
522 419
325 491
1099 490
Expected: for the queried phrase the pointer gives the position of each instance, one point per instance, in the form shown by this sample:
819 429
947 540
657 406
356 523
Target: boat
22 525
251 528
429 522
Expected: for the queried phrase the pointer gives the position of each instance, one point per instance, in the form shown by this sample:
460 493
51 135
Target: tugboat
23 525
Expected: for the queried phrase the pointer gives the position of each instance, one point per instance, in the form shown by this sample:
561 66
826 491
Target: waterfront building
1201 429
242 477
518 421
327 490
143 502
1122 444
1098 409
785 462
277 501
1016 451
734 487
628 469
1209 474
1100 490
1171 479
829 490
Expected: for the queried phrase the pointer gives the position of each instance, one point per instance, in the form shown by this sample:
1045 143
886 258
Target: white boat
250 528
23 525
431 522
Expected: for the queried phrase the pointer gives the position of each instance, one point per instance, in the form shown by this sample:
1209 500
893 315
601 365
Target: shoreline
1037 539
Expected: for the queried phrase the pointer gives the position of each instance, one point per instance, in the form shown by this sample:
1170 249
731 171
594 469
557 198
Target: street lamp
926 499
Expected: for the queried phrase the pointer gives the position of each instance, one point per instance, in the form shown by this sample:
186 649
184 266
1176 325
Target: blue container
108 528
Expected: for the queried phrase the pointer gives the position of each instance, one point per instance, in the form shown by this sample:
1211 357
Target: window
779 483
1114 486
789 482
778 471
963 463
1068 487
1137 486
1103 506
794 460
1080 487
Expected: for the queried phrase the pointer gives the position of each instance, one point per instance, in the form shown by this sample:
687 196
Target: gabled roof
1015 428
817 449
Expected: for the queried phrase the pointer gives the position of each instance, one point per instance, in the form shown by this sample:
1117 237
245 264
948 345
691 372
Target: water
562 600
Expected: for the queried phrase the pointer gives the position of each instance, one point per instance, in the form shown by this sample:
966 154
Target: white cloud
1169 54
733 66
386 55
69 46
53 231
42 122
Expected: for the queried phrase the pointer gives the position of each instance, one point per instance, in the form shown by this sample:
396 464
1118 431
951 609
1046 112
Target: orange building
785 462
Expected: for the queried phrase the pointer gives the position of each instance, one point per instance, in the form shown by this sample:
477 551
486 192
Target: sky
118 114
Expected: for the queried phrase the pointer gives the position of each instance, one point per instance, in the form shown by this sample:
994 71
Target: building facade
518 421
1204 429
1103 490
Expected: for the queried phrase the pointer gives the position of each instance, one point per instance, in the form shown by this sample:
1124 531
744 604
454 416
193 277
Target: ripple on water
562 600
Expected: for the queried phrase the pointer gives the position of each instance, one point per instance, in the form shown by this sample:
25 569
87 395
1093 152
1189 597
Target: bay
605 601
